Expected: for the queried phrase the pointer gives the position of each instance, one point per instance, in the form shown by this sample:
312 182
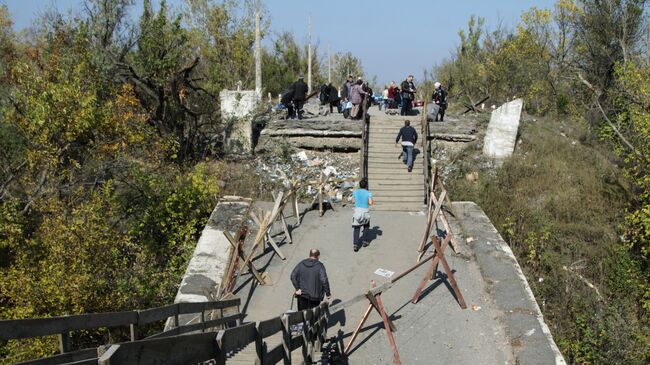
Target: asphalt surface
435 330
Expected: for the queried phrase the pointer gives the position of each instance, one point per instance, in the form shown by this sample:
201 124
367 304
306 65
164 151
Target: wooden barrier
134 320
230 343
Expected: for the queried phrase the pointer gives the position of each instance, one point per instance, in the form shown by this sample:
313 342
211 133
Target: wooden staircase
392 186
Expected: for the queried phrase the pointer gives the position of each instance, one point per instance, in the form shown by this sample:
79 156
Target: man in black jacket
286 101
439 97
299 95
334 99
408 95
309 278
409 136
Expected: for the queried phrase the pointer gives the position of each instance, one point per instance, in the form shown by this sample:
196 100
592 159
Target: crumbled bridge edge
529 335
211 257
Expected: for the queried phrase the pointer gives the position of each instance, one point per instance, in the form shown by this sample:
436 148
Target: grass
559 201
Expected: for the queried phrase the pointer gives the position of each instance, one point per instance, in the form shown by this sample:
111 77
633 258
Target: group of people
294 98
309 277
350 99
354 95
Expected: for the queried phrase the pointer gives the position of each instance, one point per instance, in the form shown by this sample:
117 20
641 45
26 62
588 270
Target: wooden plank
295 317
285 227
274 355
450 274
68 357
445 224
28 328
269 327
356 299
183 349
157 314
432 218
286 339
356 331
236 338
198 307
250 265
388 327
196 326
84 362
259 238
373 299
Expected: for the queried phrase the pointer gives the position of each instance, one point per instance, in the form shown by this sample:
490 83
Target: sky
392 38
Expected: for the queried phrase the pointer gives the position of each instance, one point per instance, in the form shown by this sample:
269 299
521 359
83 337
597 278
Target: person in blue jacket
361 218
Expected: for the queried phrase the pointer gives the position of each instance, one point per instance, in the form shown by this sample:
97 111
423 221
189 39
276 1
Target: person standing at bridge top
439 97
409 136
309 278
356 96
347 87
408 95
361 218
335 99
299 95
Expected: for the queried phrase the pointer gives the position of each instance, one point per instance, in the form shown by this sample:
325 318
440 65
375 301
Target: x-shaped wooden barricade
263 235
375 302
435 210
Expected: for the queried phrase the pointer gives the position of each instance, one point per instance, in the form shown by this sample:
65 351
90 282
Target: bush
559 203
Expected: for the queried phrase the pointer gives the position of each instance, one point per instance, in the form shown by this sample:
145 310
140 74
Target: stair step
399 199
399 208
397 193
392 172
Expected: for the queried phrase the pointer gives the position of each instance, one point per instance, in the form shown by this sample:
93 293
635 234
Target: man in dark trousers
408 95
334 99
409 136
286 101
309 278
299 95
439 97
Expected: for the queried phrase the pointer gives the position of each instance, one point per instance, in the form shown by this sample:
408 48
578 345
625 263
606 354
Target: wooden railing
426 153
233 342
134 320
363 165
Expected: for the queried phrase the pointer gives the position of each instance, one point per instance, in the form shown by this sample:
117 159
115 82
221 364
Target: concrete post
258 54
309 54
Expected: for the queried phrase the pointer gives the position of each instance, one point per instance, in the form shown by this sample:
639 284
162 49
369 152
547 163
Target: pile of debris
337 171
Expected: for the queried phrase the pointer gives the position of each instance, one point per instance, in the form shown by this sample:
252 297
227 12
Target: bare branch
597 94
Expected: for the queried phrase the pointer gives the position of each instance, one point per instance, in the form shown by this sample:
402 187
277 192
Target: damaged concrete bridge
437 283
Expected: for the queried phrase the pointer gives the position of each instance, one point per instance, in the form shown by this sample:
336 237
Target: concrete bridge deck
502 324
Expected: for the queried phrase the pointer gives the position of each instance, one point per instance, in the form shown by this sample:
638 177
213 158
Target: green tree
344 64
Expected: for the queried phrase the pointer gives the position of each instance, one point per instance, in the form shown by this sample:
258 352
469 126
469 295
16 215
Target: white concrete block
501 133
237 107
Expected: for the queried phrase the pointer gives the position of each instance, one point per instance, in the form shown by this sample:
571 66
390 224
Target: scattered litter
540 279
302 156
385 273
529 333
476 308
329 171
470 239
308 166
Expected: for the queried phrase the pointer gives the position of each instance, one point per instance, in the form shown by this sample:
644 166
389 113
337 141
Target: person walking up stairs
394 187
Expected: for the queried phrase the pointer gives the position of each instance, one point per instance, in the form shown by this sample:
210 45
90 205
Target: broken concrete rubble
321 133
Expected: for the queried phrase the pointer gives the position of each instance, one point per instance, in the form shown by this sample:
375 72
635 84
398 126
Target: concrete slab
528 334
501 134
434 329
211 256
